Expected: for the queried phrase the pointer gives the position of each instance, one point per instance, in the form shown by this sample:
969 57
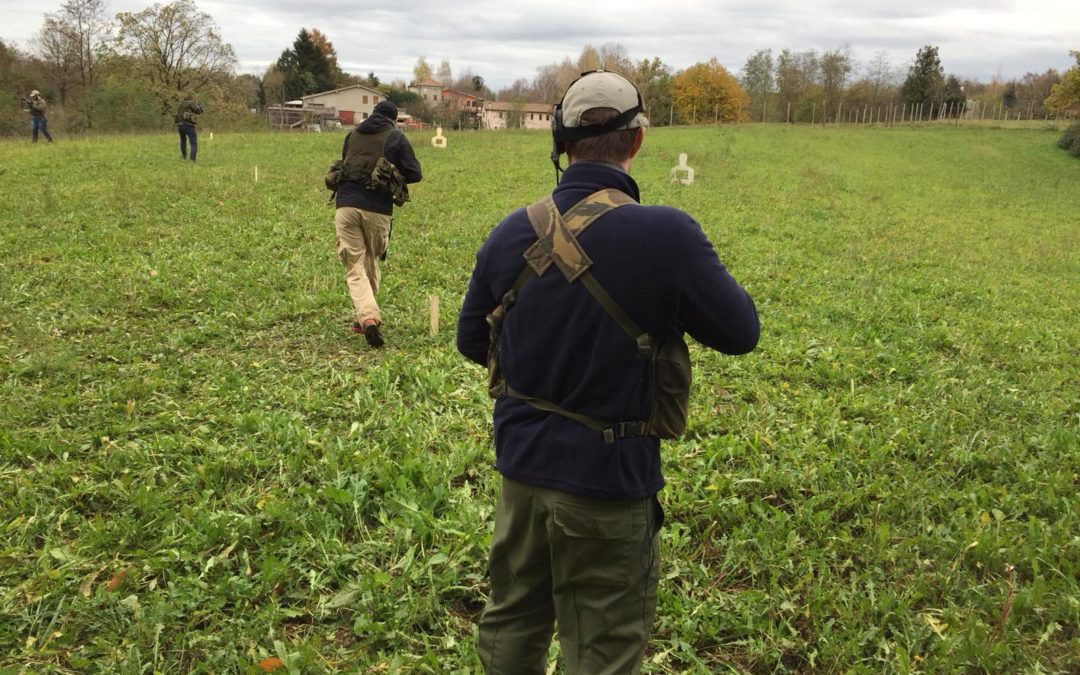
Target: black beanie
386 109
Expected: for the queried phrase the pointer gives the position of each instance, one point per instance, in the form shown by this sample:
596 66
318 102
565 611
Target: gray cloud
503 41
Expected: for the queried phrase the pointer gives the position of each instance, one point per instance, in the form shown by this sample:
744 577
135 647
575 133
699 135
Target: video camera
24 102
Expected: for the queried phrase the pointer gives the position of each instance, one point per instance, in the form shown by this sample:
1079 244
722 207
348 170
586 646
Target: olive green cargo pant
592 566
362 237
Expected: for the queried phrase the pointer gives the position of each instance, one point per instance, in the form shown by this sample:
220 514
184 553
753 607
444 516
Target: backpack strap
644 342
557 243
557 234
610 430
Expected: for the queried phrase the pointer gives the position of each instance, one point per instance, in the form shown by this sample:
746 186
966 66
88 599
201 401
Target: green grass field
201 468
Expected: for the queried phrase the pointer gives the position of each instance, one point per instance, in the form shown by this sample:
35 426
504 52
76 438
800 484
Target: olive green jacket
186 113
37 107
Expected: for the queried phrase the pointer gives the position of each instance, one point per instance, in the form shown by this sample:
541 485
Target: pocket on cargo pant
594 542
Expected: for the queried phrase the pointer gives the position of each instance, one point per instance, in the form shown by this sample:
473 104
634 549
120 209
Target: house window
365 99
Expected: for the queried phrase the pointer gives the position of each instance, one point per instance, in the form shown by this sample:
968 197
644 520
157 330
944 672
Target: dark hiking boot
372 334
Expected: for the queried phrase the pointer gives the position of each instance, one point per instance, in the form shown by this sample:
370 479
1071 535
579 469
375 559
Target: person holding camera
36 106
578 305
186 114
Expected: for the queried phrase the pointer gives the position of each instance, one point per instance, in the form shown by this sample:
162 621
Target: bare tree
797 74
517 90
757 79
1034 88
444 74
87 26
882 78
57 55
552 80
615 58
611 56
589 59
836 66
176 48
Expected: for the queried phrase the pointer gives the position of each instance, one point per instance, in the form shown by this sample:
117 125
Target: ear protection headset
560 134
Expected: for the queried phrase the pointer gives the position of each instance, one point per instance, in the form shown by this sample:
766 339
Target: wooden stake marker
433 312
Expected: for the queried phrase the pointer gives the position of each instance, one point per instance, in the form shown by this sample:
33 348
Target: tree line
107 72
804 86
126 71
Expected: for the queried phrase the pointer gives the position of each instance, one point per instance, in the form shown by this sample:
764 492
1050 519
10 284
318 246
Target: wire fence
885 114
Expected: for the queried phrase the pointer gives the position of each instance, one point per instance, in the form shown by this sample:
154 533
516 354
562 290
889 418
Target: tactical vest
363 154
186 113
669 359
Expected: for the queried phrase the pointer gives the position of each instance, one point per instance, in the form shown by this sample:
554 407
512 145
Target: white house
500 114
428 90
353 104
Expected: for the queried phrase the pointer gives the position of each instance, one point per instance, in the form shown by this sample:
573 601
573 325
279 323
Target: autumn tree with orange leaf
707 93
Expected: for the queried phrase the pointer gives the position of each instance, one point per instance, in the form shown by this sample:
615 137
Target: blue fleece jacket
559 344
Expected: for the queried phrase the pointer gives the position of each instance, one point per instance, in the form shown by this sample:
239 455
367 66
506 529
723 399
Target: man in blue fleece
576 524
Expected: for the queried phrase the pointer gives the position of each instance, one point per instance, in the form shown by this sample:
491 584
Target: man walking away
38 121
365 207
186 114
578 305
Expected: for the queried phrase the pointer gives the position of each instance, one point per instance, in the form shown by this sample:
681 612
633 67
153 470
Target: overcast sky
504 40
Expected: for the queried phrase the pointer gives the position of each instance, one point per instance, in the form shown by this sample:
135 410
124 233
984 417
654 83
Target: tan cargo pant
591 566
361 239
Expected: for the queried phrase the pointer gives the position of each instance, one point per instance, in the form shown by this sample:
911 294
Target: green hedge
1070 140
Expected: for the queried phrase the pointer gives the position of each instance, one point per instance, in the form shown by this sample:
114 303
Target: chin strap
558 167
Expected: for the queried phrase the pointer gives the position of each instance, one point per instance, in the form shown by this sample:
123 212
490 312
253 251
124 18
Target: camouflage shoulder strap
557 243
557 234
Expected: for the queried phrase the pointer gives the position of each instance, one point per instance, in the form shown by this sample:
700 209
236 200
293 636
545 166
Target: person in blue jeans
186 114
38 122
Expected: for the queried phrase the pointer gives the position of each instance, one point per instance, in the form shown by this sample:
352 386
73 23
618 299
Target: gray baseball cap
602 89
